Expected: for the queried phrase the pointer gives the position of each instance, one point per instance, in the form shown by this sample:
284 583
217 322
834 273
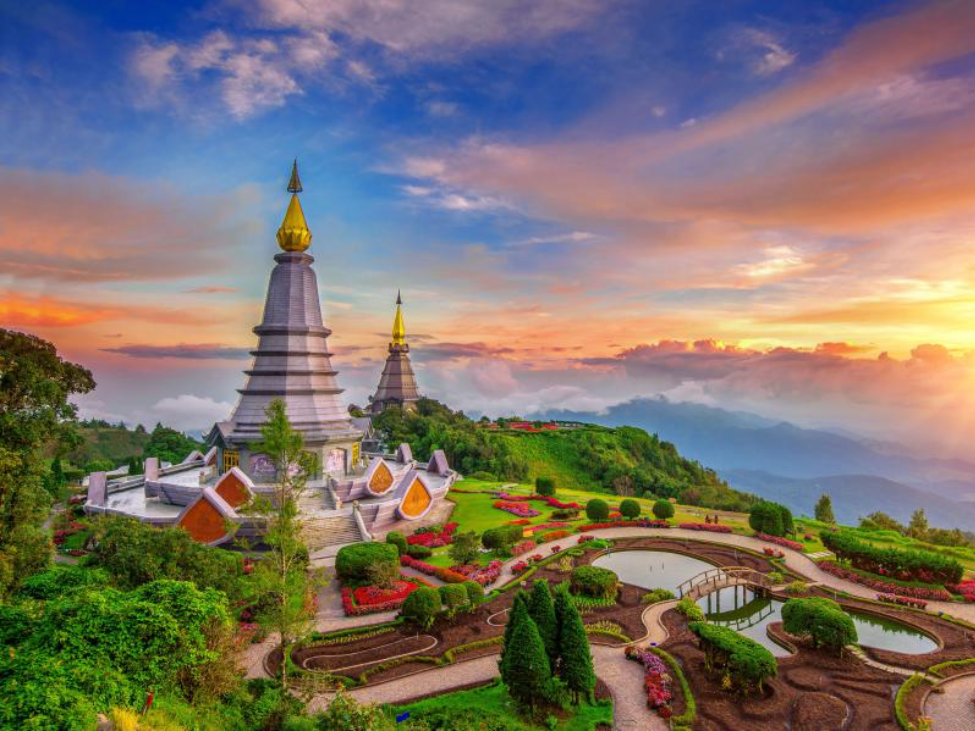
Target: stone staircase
314 500
336 530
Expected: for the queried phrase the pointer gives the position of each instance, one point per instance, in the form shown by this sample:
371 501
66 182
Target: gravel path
952 710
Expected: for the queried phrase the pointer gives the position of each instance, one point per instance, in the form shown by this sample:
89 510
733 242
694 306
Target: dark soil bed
326 658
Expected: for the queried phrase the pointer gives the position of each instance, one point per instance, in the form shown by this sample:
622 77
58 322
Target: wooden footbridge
722 576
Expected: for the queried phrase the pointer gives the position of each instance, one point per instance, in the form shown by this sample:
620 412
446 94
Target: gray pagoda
397 384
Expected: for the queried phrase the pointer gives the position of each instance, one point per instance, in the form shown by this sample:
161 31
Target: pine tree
518 612
576 668
824 509
525 669
542 611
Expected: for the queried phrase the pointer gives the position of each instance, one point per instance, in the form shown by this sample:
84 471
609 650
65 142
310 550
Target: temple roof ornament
294 234
399 329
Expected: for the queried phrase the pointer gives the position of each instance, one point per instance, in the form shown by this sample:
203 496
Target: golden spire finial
294 234
399 329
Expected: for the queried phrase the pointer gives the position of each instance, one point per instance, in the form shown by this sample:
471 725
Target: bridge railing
723 576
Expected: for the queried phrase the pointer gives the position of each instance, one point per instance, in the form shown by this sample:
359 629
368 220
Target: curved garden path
952 710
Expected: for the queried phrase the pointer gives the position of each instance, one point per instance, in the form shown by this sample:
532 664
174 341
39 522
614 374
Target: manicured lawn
494 699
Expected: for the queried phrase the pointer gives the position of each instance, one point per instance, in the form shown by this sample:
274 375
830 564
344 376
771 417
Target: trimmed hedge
422 606
502 537
820 619
594 581
629 508
901 698
545 486
352 562
663 509
597 509
742 662
898 563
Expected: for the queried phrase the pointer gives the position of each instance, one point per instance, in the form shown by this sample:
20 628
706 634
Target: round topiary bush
663 509
629 508
475 593
544 485
354 561
501 538
453 597
397 539
418 551
597 509
594 581
422 606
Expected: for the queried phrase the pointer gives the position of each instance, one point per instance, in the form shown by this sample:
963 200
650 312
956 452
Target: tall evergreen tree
575 667
542 611
824 509
525 669
517 613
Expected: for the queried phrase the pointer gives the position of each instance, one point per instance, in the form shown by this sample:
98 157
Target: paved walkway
952 710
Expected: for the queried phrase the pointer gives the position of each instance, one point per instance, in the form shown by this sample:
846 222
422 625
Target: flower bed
780 541
773 553
896 563
885 587
524 547
448 576
904 601
965 588
709 527
431 538
656 680
583 538
371 599
519 567
520 521
516 508
647 523
556 535
550 501
546 526
60 536
483 575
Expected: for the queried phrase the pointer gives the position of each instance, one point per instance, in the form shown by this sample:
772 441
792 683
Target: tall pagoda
291 363
397 384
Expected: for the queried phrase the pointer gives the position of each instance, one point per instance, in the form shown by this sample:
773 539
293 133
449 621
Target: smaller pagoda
397 385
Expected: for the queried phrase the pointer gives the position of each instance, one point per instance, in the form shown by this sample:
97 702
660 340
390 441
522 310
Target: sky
760 206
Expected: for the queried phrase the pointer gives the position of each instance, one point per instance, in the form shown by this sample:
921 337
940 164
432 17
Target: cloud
767 54
574 237
189 411
102 228
183 351
458 351
44 312
212 290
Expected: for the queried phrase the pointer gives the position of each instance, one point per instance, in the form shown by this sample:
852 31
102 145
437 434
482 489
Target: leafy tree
35 385
344 713
282 579
169 445
629 508
136 466
99 465
881 521
820 619
771 518
663 509
464 549
475 594
575 658
918 527
542 610
453 598
422 606
824 509
597 509
525 669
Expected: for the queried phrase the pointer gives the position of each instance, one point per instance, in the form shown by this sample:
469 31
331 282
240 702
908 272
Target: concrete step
332 531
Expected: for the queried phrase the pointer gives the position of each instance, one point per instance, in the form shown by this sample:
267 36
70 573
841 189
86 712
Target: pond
740 609
652 569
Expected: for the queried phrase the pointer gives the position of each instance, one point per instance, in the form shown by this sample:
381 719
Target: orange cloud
43 312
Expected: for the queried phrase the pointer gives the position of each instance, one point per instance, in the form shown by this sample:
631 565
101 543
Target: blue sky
567 191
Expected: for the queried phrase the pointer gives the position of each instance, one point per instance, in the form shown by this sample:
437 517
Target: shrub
657 595
545 486
501 538
61 579
888 587
597 509
464 549
418 551
565 513
663 509
453 597
422 606
776 577
797 588
483 476
397 539
771 518
629 508
354 562
902 564
742 663
820 619
475 593
689 609
15 624
594 581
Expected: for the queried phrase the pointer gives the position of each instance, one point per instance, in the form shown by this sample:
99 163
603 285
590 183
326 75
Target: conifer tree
525 669
518 612
542 611
824 509
575 667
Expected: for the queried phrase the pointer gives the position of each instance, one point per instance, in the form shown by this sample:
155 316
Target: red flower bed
780 541
520 521
483 575
625 524
885 587
523 547
904 601
583 538
965 588
706 527
516 508
433 539
371 599
546 526
448 576
773 553
550 501
556 535
656 680
519 567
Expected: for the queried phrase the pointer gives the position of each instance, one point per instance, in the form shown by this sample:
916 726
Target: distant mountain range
782 461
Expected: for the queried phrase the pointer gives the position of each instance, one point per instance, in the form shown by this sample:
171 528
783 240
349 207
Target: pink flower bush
656 680
904 601
556 549
516 508
448 576
483 575
519 567
550 501
583 538
885 587
780 541
706 527
965 588
523 547
433 539
773 553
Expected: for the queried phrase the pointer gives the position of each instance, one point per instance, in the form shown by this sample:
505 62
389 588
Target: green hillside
102 442
622 461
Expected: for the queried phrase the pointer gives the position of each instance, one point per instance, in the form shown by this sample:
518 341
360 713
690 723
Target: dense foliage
771 518
544 485
901 564
663 509
594 581
422 606
629 508
820 619
354 562
742 663
597 509
169 445
501 538
626 461
542 610
134 553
